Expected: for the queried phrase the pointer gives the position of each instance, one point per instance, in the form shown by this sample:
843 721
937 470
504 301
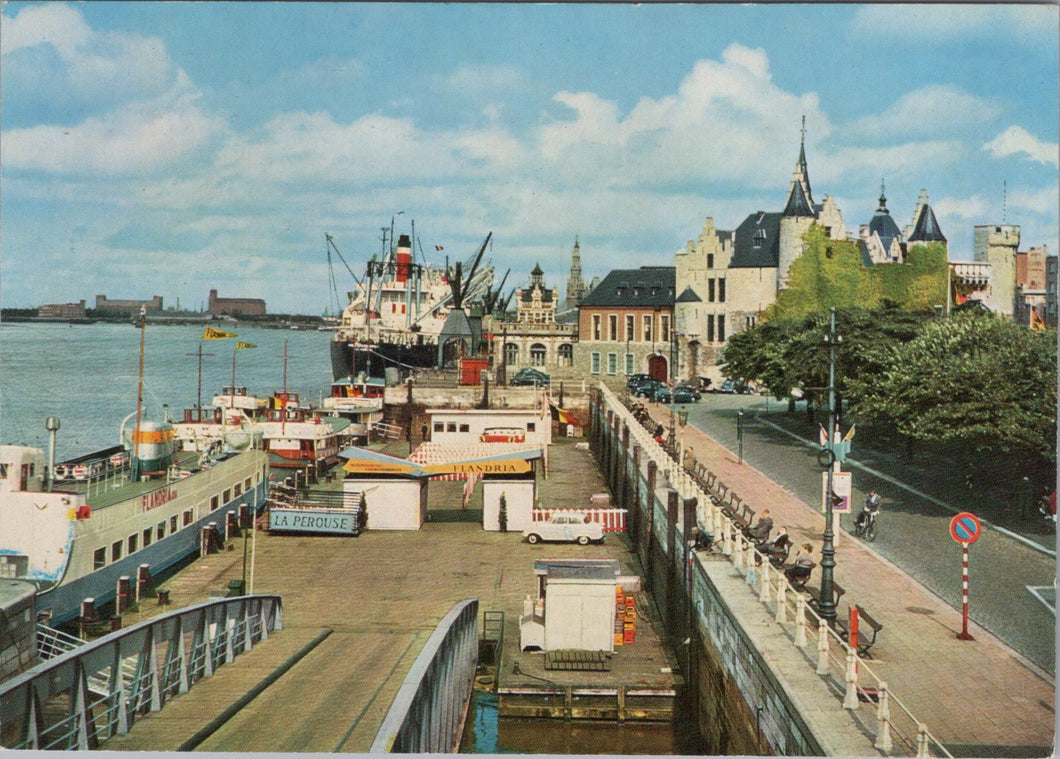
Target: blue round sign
965 528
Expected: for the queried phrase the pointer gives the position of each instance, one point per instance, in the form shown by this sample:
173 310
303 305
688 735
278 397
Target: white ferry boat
73 539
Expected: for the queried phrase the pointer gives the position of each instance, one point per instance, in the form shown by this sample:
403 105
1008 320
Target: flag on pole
240 344
823 436
1037 324
562 415
850 434
215 334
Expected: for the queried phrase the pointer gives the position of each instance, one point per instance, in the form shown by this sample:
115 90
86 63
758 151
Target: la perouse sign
312 520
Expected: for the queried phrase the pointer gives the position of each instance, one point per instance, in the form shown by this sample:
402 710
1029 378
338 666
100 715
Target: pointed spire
802 167
926 227
883 199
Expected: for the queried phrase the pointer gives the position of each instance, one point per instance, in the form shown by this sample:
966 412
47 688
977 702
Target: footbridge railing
895 729
80 698
429 708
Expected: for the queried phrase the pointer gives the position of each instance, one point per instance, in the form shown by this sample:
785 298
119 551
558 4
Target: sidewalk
978 697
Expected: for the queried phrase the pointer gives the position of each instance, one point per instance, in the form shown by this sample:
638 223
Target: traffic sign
965 528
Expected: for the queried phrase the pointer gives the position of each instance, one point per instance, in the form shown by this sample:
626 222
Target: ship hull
349 360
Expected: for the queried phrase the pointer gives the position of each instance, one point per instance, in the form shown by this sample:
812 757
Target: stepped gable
927 227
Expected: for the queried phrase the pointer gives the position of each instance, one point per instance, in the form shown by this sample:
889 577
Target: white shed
580 604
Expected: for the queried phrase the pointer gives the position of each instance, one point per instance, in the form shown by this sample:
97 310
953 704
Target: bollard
204 540
883 720
163 597
244 516
143 581
123 596
231 526
88 610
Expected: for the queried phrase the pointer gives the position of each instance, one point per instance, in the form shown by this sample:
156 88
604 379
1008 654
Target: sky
172 148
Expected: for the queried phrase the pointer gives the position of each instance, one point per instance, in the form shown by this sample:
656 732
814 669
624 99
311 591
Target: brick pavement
977 693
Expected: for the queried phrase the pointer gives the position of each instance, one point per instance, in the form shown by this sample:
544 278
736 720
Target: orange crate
619 637
628 636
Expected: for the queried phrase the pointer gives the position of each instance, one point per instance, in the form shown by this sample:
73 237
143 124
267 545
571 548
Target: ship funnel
404 258
153 444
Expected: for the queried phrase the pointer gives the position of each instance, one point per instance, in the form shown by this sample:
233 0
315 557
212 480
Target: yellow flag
241 344
1037 324
215 334
850 434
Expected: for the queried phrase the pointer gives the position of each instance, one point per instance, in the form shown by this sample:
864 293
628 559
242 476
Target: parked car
734 386
636 379
649 388
566 527
680 394
529 377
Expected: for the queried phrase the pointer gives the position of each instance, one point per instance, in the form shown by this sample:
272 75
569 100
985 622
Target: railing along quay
428 711
80 698
895 729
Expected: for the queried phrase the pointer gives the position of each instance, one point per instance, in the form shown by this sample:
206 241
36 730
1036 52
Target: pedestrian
760 531
690 459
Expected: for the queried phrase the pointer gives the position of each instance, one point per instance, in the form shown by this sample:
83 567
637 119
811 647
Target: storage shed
579 604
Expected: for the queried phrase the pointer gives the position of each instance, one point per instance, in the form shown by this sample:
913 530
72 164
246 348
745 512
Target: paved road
1012 567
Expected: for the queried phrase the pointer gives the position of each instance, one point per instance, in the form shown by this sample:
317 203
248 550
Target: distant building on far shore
235 306
129 306
62 311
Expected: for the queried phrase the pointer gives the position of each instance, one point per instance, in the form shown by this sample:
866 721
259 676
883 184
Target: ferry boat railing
896 730
428 711
78 699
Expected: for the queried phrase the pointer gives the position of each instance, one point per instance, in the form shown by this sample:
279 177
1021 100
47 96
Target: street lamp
828 605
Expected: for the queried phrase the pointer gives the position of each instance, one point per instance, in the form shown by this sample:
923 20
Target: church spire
575 283
803 169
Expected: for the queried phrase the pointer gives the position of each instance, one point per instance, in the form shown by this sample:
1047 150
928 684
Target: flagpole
139 394
232 397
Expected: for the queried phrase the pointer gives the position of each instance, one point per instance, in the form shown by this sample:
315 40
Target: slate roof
883 225
798 203
688 295
526 295
647 286
927 228
757 242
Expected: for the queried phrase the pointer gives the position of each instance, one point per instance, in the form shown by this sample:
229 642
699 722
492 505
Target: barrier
613 520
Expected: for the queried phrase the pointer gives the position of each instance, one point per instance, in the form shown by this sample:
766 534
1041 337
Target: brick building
62 311
129 306
235 306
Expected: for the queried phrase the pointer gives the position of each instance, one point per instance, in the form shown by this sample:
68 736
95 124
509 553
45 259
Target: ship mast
139 394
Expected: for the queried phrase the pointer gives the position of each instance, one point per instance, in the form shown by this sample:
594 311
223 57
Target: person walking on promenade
689 463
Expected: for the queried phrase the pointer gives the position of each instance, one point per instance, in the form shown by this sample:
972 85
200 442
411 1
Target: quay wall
741 704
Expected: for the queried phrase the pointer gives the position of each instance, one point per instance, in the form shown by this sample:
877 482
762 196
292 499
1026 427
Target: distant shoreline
277 322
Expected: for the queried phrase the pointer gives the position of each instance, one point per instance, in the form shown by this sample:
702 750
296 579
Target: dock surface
380 595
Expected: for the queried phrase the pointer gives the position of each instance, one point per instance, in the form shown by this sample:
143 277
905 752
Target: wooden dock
380 595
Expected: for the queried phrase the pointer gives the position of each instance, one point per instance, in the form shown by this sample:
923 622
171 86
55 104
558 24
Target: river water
86 374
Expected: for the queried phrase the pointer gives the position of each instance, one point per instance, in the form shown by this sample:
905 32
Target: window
664 331
537 354
187 517
710 290
133 542
721 289
238 490
647 328
115 550
721 328
439 427
594 362
629 363
759 238
147 537
531 426
246 484
215 503
160 530
173 525
596 326
612 363
750 321
710 328
465 428
710 260
566 354
99 558
450 427
511 353
227 495
612 327
629 327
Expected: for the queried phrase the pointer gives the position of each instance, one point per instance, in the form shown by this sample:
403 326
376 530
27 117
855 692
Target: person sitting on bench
799 571
760 532
778 546
701 540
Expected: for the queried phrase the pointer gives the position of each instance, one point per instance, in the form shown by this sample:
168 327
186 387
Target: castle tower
998 246
575 283
798 216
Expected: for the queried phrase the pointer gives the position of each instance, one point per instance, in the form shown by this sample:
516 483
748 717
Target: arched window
537 354
511 354
566 354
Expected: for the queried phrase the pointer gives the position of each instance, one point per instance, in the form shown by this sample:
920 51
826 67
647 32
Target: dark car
734 386
649 388
680 394
636 379
529 377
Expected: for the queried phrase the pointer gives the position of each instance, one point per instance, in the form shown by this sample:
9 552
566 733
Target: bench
863 643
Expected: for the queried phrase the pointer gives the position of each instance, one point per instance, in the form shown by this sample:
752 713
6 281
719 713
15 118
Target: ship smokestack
404 258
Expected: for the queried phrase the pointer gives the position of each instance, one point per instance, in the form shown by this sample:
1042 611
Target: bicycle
866 528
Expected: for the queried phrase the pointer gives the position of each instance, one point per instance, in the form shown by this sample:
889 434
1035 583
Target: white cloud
955 21
925 111
1042 201
134 139
903 161
1016 141
476 82
963 210
56 24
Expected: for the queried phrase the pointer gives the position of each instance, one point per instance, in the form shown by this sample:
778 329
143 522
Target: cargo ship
398 310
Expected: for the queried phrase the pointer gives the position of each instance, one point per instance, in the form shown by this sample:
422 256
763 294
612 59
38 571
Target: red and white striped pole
964 635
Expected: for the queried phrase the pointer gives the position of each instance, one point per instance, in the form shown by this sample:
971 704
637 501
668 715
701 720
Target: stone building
625 324
235 306
536 338
129 306
726 279
998 246
62 311
882 242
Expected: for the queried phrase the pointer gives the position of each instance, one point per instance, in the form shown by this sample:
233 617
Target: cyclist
868 511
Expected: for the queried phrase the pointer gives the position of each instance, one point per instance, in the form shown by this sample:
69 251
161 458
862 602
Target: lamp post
828 605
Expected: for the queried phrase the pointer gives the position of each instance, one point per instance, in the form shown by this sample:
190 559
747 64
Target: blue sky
170 148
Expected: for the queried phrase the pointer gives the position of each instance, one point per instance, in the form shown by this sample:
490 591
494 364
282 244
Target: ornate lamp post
828 605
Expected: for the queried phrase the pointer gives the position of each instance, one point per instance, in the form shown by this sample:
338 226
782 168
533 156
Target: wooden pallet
582 661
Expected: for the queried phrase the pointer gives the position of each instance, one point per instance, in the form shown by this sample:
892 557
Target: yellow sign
507 466
215 334
379 467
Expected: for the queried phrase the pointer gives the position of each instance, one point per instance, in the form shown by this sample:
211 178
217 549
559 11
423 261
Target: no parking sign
965 529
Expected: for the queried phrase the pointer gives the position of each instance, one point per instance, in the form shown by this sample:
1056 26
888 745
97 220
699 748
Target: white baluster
850 700
763 591
800 619
823 666
883 719
922 741
782 603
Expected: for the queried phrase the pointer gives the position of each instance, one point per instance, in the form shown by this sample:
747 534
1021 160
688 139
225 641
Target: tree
980 379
